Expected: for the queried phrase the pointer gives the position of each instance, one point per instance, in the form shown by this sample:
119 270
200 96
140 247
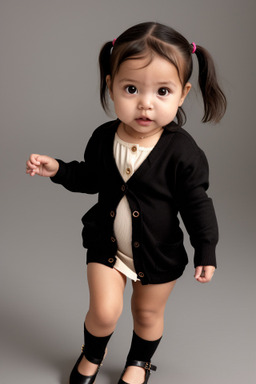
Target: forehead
155 69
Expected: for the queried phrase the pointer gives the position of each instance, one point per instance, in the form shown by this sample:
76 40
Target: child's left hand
204 274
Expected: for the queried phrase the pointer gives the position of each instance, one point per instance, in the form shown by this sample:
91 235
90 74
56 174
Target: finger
198 272
201 279
34 159
43 160
31 172
30 165
33 164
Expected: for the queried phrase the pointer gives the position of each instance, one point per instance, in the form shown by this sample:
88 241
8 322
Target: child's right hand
41 165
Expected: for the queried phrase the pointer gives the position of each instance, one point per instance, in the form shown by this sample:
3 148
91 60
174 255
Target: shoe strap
92 359
146 365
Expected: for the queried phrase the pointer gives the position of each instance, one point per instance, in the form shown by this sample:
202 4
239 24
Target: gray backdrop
49 103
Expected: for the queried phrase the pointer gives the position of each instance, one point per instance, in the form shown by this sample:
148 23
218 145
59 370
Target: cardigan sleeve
81 176
195 207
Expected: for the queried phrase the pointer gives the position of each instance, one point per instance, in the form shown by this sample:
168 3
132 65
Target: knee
105 316
145 317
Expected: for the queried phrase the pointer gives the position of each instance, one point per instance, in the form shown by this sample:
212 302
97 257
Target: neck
130 132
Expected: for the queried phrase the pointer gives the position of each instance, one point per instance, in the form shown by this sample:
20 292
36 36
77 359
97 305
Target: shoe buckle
148 366
82 348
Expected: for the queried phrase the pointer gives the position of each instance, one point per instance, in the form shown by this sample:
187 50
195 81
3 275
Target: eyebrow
170 83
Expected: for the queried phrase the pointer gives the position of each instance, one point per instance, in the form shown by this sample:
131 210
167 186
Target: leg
148 306
106 288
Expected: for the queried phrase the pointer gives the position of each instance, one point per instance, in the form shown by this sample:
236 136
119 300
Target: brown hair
144 40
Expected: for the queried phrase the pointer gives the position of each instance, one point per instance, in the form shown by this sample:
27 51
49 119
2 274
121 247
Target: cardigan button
136 244
111 260
123 188
113 239
135 213
141 274
112 213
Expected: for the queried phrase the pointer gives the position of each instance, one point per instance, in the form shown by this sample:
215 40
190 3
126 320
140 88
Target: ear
185 91
109 84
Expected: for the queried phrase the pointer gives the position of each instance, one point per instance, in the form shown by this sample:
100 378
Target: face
147 96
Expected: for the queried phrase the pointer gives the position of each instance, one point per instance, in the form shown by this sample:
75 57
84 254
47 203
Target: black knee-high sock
141 349
94 347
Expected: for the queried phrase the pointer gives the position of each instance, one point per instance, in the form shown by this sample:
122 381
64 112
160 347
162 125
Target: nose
145 103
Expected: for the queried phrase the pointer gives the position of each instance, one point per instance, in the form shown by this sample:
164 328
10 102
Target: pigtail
215 102
104 63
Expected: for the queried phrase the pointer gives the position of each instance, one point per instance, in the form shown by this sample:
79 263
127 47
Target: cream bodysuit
128 158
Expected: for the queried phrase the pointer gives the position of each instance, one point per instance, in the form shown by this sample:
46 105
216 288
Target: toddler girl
145 169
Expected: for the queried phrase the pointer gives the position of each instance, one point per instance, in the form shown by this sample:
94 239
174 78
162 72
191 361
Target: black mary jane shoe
147 366
77 378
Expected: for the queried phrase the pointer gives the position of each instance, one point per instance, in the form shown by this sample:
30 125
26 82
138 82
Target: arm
74 176
196 209
82 176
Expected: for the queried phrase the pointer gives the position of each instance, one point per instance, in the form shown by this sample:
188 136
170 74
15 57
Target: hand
42 166
204 274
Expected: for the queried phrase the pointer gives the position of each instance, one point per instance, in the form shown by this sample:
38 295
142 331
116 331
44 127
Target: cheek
168 112
170 108
122 103
121 109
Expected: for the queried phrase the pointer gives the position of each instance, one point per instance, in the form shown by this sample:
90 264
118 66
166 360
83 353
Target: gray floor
209 331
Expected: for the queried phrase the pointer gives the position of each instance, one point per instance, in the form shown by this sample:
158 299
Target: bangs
168 52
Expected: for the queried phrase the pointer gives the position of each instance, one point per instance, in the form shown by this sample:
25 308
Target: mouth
144 121
143 118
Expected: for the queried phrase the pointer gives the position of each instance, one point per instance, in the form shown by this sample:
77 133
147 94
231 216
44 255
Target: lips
144 121
143 118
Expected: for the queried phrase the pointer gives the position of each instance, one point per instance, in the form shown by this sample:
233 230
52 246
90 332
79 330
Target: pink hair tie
113 43
194 47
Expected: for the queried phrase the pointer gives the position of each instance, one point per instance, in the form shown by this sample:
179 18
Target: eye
163 91
131 89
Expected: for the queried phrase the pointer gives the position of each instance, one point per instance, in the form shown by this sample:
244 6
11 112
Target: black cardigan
173 179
